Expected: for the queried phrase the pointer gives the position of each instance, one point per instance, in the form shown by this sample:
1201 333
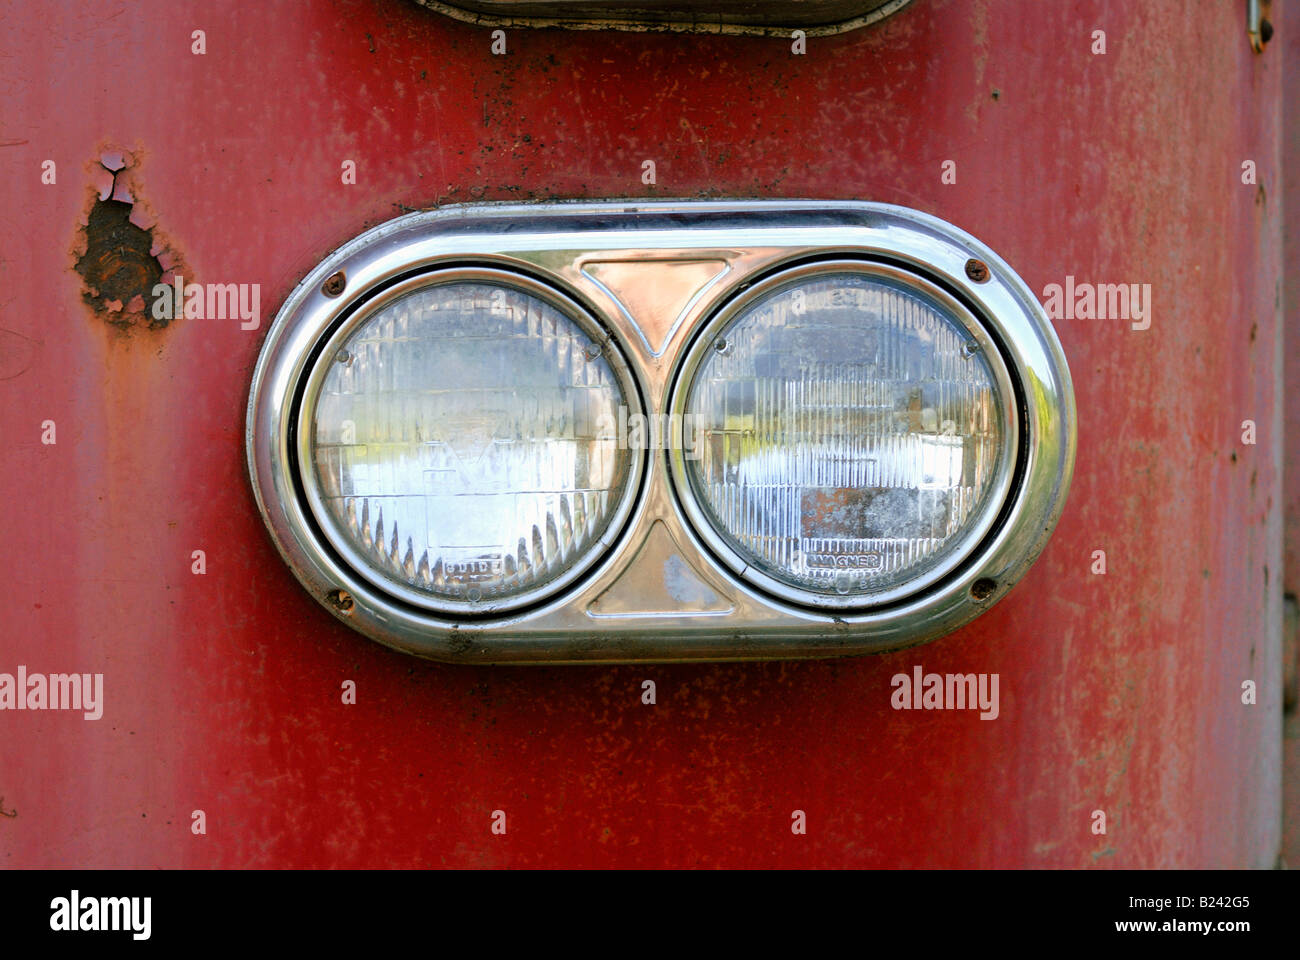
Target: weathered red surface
1289 47
1119 692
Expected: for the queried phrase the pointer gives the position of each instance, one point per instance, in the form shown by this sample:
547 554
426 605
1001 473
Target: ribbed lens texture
852 431
457 443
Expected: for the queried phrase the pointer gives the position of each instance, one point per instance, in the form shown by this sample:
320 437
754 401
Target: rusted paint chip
120 256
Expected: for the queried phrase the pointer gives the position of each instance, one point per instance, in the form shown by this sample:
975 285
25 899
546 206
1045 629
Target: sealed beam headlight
456 441
656 431
856 433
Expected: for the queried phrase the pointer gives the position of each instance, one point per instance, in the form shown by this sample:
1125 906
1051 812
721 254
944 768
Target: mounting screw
340 600
334 285
982 589
1259 28
977 270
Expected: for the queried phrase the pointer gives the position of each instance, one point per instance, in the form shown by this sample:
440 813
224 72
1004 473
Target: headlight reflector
457 440
858 434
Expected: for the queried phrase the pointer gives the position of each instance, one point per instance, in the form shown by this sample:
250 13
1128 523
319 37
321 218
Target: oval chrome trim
551 242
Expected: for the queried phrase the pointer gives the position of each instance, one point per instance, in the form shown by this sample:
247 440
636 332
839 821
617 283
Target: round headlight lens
458 441
857 433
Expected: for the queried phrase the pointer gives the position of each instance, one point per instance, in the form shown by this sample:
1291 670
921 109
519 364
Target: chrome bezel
708 528
327 523
556 244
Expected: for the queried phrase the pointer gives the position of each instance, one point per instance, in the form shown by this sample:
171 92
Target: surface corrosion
120 253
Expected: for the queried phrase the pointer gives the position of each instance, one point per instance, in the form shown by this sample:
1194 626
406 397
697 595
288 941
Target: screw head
334 285
977 270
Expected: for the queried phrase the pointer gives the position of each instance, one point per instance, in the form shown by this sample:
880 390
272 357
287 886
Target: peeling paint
120 253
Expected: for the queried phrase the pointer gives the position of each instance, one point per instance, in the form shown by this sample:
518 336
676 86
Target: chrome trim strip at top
762 20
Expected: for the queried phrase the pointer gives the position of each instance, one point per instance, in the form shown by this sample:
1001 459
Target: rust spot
120 253
460 643
983 588
7 814
340 600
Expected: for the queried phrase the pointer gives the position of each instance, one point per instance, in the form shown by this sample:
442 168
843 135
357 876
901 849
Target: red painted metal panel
1119 692
1289 47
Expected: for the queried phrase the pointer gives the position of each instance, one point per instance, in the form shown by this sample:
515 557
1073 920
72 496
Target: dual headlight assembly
660 431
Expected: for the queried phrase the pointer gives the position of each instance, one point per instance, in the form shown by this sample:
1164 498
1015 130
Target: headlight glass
460 442
857 435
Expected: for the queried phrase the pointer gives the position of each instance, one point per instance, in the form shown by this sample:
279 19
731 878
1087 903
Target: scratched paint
1118 692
